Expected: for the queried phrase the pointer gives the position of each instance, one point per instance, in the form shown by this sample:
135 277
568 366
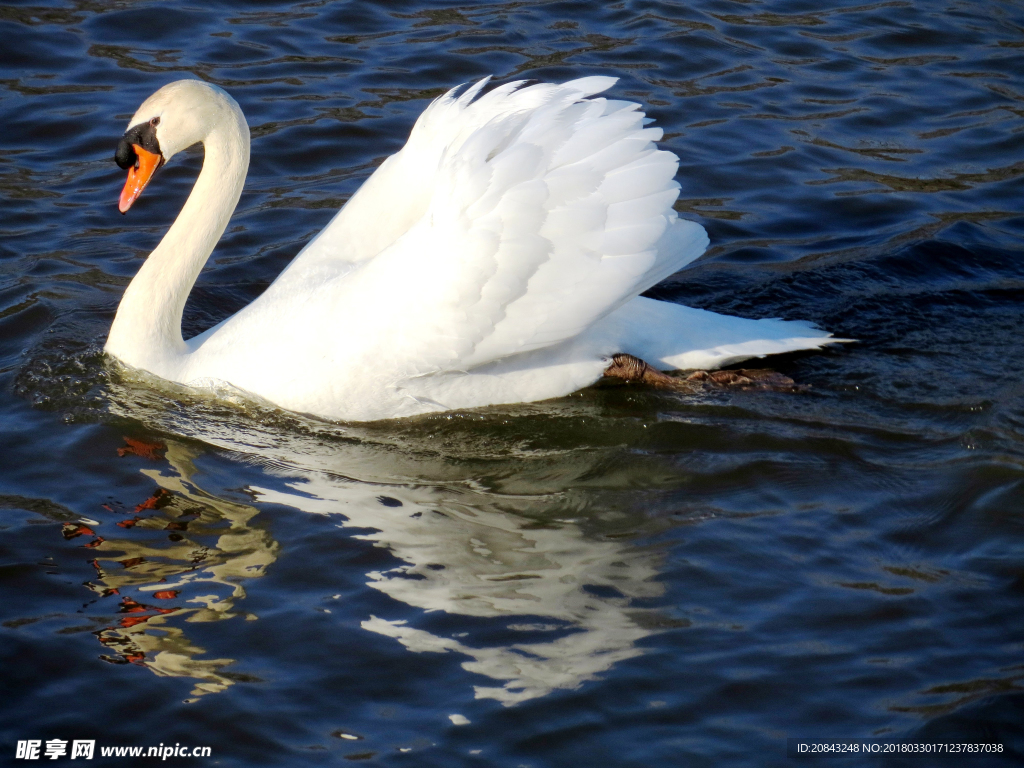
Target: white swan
496 258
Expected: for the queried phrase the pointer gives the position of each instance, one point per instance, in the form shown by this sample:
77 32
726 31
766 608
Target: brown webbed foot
747 379
633 370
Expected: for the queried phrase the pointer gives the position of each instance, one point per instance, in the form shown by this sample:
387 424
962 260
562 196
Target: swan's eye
155 122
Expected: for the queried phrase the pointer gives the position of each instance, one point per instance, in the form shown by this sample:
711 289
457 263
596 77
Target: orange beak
138 177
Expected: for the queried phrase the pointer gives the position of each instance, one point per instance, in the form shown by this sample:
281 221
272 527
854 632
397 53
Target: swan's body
497 258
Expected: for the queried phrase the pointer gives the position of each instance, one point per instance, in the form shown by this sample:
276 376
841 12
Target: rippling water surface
619 578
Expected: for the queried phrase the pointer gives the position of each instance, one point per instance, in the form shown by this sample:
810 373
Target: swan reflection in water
471 561
569 594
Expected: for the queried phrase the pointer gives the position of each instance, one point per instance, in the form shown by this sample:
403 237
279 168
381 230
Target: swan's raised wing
547 211
399 192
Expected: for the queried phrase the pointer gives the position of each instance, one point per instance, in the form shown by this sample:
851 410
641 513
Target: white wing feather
507 224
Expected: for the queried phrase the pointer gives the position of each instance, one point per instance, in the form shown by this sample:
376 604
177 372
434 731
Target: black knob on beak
125 155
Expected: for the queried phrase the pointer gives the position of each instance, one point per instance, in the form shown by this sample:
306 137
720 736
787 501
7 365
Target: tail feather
674 337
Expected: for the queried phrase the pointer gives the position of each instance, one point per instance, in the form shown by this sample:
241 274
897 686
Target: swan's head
174 118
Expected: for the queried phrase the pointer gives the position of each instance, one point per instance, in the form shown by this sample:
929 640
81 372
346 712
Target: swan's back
509 221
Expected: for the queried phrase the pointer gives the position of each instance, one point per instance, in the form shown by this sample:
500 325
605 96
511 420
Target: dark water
618 578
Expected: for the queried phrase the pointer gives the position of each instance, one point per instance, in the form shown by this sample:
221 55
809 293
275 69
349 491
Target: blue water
621 577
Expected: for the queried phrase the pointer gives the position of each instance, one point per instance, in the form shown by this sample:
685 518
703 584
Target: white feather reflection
487 563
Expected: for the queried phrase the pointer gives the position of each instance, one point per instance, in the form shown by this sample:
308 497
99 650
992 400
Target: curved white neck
146 332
